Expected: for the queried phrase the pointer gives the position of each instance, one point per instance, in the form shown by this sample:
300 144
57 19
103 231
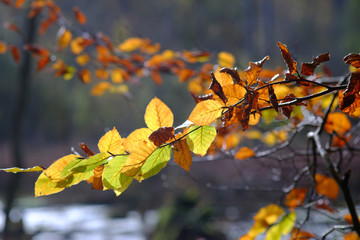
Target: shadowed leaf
217 89
291 64
353 59
161 135
206 112
308 69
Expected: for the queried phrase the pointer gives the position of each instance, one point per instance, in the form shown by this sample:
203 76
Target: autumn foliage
229 103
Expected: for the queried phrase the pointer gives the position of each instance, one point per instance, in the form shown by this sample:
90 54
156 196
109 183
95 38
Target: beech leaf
19 170
200 138
182 154
217 89
291 64
161 135
111 143
158 115
308 69
353 59
206 112
244 153
326 186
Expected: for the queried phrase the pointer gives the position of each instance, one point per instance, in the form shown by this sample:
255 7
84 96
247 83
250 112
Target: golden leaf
3 47
337 122
130 44
117 75
64 38
136 136
111 143
82 59
226 59
102 73
206 112
100 88
244 153
158 115
54 170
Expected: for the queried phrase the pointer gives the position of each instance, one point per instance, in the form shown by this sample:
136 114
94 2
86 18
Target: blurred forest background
62 113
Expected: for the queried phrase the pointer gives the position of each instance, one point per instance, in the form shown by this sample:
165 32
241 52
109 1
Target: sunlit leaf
244 153
82 59
200 138
117 75
130 44
326 186
138 156
154 163
337 122
3 47
79 44
102 73
54 170
223 78
282 228
269 214
158 115
17 170
80 17
136 136
111 143
84 75
206 112
44 186
113 178
64 38
295 197
182 154
226 59
253 71
291 64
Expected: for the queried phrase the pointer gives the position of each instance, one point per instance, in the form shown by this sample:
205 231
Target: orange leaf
80 17
298 234
15 52
206 112
308 69
130 44
287 58
326 186
64 38
102 73
244 153
84 75
149 48
100 88
3 47
156 77
351 236
337 122
182 154
295 197
79 44
43 62
158 115
353 59
253 71
223 78
226 59
97 183
37 50
82 59
161 135
19 3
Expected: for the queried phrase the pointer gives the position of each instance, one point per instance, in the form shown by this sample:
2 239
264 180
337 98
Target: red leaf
42 63
217 89
80 17
86 150
161 135
198 98
15 52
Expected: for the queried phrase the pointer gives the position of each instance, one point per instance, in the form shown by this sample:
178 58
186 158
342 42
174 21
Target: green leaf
282 228
17 170
155 162
113 178
199 139
79 165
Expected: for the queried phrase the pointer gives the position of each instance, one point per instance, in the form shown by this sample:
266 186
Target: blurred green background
62 113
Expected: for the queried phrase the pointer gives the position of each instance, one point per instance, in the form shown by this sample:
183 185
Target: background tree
234 101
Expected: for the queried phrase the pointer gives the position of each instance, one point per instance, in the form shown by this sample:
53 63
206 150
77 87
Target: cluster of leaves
94 54
234 102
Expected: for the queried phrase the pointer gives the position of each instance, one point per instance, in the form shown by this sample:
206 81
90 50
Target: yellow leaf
64 38
111 143
130 44
226 59
3 47
136 136
269 214
206 112
223 78
244 153
100 88
82 59
117 75
54 171
182 154
254 119
17 170
326 186
158 115
44 186
139 154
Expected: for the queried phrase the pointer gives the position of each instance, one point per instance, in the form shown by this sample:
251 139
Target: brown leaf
161 135
286 110
12 27
87 150
273 98
217 89
37 50
308 69
287 58
198 98
353 59
80 17
15 52
234 74
97 183
48 22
